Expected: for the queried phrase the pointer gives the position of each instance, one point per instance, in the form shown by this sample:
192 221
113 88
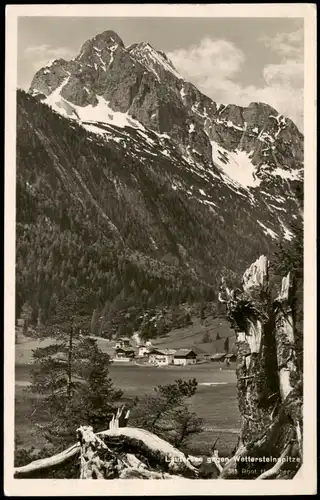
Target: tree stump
268 381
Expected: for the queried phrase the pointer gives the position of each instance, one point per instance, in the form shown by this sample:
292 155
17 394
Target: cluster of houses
172 357
162 356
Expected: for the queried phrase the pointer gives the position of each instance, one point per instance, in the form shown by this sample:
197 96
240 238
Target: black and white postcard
160 215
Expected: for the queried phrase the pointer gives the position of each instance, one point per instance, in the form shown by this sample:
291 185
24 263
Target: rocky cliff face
141 82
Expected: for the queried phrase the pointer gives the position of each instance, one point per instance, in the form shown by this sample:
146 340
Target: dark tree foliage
167 414
71 386
226 345
71 378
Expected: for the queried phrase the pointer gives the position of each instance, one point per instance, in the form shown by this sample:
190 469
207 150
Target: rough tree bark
270 402
269 383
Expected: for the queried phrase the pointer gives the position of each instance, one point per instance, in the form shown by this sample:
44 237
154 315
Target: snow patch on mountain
165 152
50 63
267 231
287 234
265 137
101 113
94 129
236 165
102 63
112 49
152 59
155 246
35 92
152 142
229 124
287 174
278 198
56 102
195 109
208 202
182 93
281 122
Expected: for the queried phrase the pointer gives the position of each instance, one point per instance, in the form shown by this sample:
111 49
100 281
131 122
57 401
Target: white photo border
306 480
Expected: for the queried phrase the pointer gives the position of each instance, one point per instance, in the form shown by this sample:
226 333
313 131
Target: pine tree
184 425
206 338
72 378
226 345
26 316
94 322
166 413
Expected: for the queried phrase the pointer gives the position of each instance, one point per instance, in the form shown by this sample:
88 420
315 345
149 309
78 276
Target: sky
232 60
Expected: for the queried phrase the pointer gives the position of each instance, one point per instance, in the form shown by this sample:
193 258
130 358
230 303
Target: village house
122 343
231 357
204 353
161 356
143 351
124 354
205 356
185 357
218 357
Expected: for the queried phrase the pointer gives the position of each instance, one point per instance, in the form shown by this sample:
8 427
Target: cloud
286 44
40 55
209 57
290 72
216 68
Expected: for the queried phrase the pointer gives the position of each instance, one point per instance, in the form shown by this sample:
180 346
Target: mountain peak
103 41
108 36
154 60
140 82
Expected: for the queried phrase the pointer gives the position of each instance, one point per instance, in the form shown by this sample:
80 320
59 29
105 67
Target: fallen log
107 453
47 463
121 443
99 452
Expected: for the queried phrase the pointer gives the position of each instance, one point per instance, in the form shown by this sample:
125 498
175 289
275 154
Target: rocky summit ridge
138 86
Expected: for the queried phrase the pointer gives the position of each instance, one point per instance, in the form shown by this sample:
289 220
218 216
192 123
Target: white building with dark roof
185 357
124 354
123 342
143 351
161 356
